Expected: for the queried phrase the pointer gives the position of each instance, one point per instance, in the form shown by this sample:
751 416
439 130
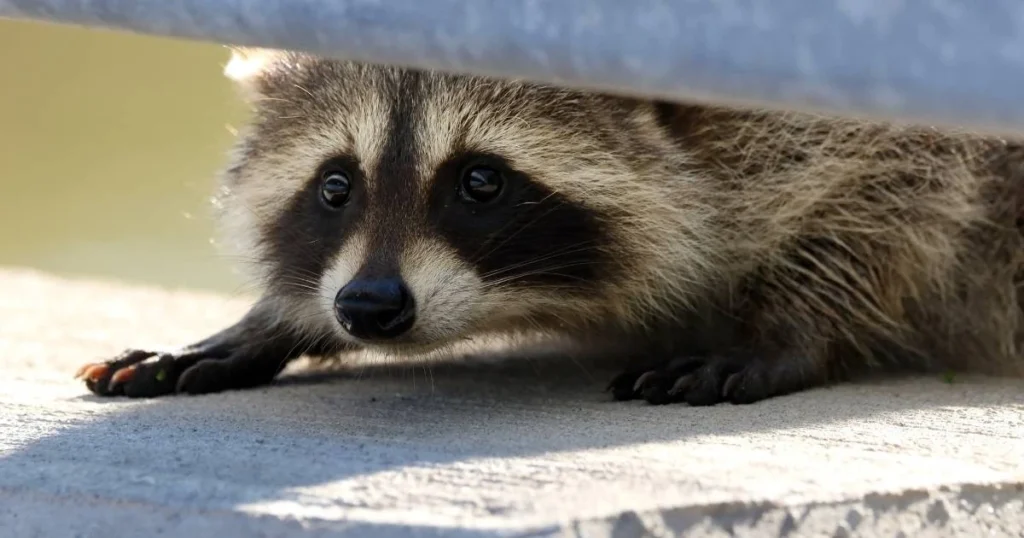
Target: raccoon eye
334 188
480 184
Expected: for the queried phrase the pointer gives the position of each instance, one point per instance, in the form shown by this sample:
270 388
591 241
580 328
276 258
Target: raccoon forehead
332 108
531 127
584 146
316 110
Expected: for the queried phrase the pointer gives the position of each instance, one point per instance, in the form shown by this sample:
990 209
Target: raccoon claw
131 374
195 370
626 385
635 384
697 382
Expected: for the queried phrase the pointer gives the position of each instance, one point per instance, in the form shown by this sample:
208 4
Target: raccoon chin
418 348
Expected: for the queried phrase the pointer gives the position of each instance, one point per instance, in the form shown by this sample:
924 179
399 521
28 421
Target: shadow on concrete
254 446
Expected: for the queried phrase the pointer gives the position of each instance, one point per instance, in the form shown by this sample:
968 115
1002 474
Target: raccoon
722 254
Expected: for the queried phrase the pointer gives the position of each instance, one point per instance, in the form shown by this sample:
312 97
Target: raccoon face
402 208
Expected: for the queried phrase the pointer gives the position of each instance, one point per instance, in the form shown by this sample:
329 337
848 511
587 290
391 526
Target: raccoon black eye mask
725 255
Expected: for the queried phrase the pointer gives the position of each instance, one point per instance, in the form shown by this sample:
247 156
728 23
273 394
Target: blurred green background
109 148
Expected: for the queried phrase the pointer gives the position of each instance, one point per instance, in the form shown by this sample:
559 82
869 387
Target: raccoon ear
248 68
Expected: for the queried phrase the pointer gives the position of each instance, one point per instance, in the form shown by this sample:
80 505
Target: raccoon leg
796 316
247 354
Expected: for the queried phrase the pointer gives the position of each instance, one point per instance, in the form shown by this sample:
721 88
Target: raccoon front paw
140 373
702 381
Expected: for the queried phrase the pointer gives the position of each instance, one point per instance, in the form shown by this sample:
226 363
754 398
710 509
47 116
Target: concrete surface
530 448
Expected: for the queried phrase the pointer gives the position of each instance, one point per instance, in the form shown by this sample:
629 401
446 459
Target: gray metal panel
929 60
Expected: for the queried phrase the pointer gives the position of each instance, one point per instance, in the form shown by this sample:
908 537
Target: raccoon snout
375 309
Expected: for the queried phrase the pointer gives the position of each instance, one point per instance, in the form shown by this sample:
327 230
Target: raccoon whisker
299 278
496 284
299 285
265 222
477 257
574 249
312 275
516 267
510 279
307 317
299 291
303 291
304 90
550 288
493 235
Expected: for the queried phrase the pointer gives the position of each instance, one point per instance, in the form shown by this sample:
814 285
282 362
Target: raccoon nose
375 309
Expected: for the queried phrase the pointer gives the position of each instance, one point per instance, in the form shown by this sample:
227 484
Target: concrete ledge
528 448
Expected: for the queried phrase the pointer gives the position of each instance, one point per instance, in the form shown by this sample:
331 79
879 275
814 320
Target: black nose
375 309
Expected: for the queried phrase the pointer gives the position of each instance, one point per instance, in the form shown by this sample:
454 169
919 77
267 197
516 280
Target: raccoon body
725 254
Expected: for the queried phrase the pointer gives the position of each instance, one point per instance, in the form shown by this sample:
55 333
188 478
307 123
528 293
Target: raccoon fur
725 255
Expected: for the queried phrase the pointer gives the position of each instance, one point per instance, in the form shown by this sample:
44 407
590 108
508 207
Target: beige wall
109 145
